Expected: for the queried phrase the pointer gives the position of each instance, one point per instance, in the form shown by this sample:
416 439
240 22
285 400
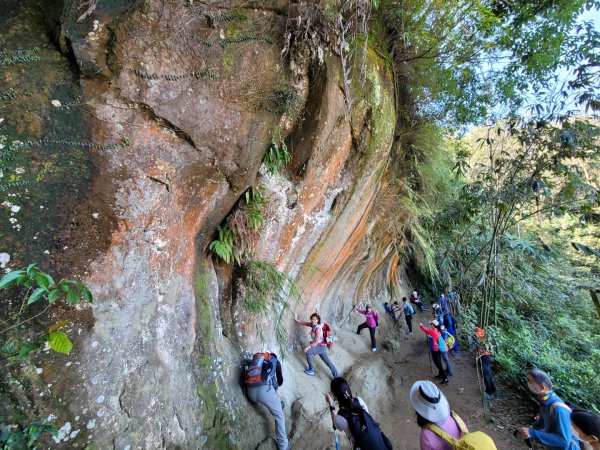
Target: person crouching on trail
434 346
415 298
371 322
553 429
263 378
317 346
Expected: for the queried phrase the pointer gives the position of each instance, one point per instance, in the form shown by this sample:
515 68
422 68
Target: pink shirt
371 317
431 441
316 333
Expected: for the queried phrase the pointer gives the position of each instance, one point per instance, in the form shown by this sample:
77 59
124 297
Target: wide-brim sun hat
429 401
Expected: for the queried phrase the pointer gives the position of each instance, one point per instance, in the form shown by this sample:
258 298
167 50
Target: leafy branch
39 285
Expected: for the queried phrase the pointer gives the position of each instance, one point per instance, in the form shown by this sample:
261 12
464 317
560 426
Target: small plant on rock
277 155
239 234
15 437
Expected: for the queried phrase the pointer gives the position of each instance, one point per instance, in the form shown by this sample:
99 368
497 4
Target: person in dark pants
434 346
265 392
408 312
371 322
488 375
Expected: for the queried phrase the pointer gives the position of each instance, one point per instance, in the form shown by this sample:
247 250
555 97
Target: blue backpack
365 431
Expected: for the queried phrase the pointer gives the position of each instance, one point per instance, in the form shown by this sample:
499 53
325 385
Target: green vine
11 94
206 73
233 17
239 40
13 184
9 61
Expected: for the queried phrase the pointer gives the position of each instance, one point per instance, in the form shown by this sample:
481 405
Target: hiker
485 359
553 429
434 347
444 303
432 407
445 358
483 356
353 411
390 311
263 378
408 311
451 324
317 346
587 426
416 299
441 428
436 311
371 322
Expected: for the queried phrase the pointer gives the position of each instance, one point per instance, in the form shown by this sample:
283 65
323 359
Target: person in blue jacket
553 429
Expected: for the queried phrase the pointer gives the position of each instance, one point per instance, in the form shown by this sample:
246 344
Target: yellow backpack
477 440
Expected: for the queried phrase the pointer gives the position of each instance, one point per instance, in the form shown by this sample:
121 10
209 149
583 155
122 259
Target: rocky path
383 380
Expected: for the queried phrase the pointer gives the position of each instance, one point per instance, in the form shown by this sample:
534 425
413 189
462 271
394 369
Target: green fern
277 155
224 245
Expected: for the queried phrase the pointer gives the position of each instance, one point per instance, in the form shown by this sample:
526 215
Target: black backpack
365 431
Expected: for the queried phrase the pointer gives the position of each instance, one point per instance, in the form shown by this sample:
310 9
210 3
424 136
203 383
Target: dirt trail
383 380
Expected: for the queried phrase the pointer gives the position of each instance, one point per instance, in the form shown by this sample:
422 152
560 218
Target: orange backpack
260 370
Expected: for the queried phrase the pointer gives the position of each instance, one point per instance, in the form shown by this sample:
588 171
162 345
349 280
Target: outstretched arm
301 322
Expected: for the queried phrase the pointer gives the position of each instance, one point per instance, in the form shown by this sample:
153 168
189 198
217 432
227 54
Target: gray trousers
268 396
320 350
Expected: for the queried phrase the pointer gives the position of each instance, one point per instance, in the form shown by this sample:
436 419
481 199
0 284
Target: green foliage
504 241
224 245
15 437
35 285
468 59
41 285
266 291
277 155
239 234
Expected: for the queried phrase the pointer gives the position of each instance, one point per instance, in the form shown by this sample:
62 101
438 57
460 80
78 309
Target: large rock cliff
181 100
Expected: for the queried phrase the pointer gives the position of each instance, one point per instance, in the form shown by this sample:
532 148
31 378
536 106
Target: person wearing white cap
432 408
434 343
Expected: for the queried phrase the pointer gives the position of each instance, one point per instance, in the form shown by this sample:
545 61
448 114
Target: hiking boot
309 372
373 349
439 377
409 333
445 382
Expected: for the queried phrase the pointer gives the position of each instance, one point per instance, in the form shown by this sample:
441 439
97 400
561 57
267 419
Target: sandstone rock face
195 92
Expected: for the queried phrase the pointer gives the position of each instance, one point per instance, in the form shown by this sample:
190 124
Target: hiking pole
428 354
337 439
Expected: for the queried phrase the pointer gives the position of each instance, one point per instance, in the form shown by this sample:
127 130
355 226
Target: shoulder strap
441 433
560 405
459 422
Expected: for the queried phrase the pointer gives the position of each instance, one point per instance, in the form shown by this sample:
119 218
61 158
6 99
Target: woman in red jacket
434 346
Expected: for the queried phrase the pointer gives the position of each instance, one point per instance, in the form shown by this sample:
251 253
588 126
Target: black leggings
371 330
